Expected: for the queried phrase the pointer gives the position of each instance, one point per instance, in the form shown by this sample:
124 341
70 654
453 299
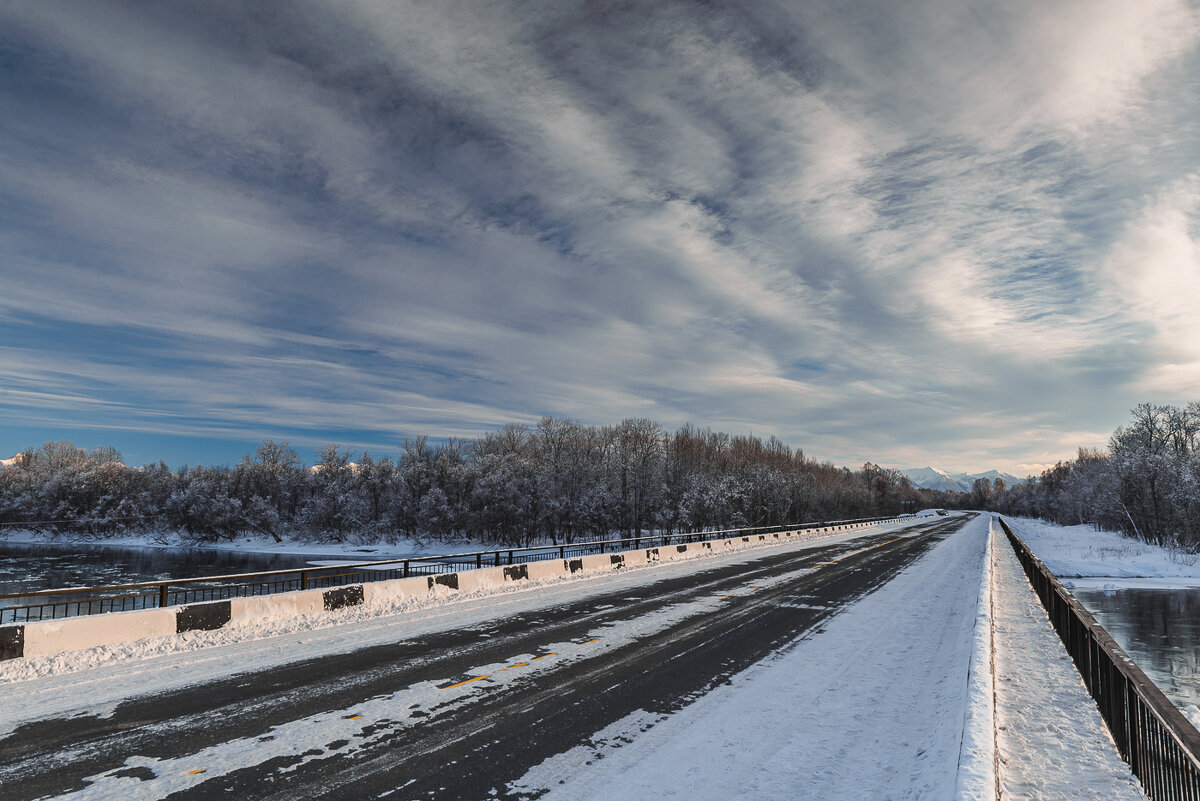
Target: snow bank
1081 551
977 757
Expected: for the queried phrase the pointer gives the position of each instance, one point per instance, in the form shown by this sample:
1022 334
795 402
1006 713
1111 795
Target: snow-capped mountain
932 478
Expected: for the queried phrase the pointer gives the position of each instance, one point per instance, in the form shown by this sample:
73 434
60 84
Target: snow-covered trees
1147 482
559 481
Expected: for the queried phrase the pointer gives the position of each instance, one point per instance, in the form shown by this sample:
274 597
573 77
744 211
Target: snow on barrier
49 637
976 779
1161 746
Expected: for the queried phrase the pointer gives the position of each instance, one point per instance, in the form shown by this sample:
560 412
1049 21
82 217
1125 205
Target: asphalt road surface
461 713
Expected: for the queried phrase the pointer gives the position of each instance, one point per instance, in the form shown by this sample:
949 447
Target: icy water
1160 629
28 568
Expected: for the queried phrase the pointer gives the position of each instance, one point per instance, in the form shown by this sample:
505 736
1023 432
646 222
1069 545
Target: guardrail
1152 735
72 602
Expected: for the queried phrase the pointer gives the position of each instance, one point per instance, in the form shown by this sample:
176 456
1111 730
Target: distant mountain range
932 478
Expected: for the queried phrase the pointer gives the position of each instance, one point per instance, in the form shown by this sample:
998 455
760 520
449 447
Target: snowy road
470 712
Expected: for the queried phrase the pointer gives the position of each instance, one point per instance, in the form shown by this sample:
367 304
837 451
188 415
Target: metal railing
1152 735
72 602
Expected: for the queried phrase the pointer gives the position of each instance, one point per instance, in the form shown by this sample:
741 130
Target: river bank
1146 596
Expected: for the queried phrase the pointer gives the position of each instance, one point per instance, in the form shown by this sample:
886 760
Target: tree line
1146 483
559 481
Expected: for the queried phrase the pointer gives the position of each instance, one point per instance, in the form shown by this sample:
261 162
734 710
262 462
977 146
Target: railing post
304 579
162 595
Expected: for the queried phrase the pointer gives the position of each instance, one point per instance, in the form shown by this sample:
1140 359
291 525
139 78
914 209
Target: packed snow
1051 741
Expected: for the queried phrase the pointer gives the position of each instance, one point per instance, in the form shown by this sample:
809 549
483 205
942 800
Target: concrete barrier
470 580
386 591
208 616
547 568
48 637
600 561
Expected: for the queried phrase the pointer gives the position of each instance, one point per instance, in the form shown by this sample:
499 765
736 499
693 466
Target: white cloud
866 228
1154 271
1093 58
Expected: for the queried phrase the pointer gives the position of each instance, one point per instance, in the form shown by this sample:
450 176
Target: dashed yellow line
354 717
468 681
516 665
587 642
543 656
197 770
855 553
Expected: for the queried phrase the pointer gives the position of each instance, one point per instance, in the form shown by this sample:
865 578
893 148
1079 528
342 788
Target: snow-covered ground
1085 557
1051 740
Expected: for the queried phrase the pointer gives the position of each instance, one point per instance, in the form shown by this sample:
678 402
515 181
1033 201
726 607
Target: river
1159 628
32 567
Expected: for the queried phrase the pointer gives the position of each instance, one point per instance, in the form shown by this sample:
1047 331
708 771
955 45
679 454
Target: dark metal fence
1152 735
72 602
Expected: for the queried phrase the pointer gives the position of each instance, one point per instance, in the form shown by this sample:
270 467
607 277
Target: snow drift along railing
1152 735
75 601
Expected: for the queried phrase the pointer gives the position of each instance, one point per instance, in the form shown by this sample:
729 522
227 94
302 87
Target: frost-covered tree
558 481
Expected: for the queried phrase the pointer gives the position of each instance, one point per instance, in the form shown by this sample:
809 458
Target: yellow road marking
468 681
594 639
723 597
517 665
197 770
543 656
353 717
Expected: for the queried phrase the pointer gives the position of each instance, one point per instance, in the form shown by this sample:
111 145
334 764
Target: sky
912 232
